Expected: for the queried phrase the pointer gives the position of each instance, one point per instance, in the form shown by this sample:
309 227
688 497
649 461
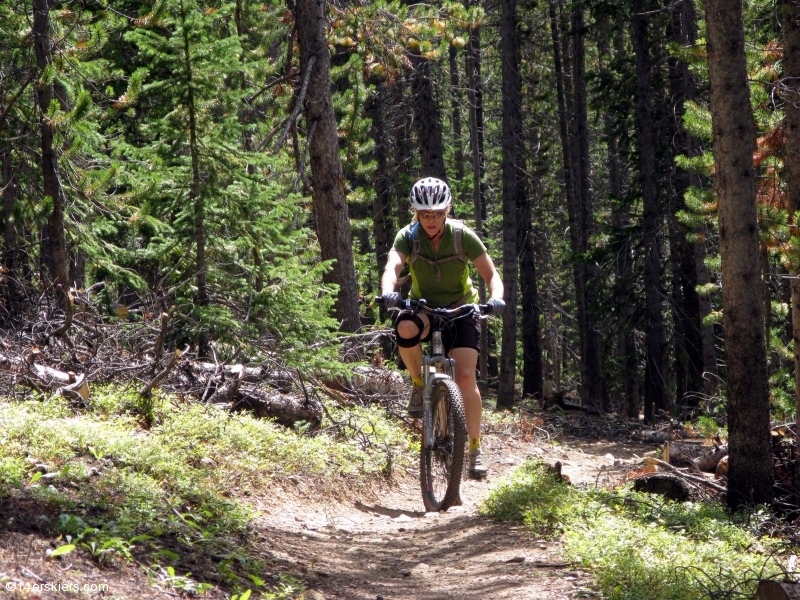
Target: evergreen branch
267 86
297 106
13 100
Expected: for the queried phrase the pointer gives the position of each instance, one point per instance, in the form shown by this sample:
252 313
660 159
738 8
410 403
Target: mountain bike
444 427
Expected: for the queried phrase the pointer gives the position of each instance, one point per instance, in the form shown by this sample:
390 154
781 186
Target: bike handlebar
422 306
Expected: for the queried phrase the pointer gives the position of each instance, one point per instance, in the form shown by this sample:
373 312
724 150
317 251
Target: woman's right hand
392 300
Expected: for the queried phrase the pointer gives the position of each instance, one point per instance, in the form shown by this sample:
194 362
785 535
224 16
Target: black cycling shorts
464 332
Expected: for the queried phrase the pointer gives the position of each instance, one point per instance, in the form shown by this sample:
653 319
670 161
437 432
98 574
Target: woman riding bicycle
438 250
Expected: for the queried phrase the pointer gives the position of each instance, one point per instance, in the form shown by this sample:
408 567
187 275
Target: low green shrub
638 546
123 479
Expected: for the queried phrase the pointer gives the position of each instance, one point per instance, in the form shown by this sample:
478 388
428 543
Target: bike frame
444 368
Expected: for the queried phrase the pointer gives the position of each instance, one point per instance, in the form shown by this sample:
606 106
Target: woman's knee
465 378
407 330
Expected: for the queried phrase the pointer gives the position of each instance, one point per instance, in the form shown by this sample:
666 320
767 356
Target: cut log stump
777 590
670 486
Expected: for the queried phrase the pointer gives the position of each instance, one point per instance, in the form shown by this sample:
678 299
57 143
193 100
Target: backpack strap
413 237
458 228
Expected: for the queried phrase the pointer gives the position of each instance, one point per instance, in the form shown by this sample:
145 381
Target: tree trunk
750 472
651 221
475 99
529 294
382 225
56 244
566 154
330 202
710 371
573 127
628 404
683 31
592 384
427 119
401 131
11 254
195 189
513 195
455 90
791 73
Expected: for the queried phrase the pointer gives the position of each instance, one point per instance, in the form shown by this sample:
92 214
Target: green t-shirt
454 283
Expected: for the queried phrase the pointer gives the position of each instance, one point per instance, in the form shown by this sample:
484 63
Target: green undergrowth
639 546
173 483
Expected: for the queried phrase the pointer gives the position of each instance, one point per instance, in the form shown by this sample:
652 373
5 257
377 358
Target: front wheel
442 463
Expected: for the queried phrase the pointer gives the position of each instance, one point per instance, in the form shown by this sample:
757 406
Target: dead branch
162 335
148 388
701 480
70 310
297 107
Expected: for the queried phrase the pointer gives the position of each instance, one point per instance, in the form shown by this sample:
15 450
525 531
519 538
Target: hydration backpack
413 238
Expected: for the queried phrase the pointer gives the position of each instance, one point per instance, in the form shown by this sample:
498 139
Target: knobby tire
441 466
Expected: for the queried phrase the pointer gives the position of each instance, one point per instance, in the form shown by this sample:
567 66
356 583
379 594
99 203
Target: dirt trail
385 547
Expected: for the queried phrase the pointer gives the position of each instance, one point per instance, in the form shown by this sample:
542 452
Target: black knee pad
409 342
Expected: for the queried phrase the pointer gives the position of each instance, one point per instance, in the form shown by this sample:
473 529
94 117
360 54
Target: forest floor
373 543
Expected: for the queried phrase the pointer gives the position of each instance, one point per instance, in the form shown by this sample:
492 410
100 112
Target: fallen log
692 454
708 461
722 468
551 398
227 391
280 380
652 437
690 478
370 383
777 590
286 410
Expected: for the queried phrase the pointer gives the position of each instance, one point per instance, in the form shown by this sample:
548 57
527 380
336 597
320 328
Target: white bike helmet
430 194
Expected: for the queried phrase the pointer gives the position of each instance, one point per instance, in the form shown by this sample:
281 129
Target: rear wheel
441 465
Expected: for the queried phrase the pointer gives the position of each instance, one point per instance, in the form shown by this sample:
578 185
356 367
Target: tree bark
195 189
652 219
566 154
750 475
11 254
401 131
56 244
529 294
427 119
330 202
592 385
455 91
475 99
513 194
791 73
382 225
624 267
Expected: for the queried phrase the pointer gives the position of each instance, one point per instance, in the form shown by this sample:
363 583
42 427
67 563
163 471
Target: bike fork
444 366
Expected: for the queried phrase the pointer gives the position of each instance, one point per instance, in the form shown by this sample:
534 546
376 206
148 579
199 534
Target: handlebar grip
378 300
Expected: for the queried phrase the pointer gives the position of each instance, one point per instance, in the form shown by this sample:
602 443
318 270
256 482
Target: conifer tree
333 227
750 471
